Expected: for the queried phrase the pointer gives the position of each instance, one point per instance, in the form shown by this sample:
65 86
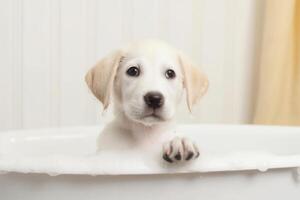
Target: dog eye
133 71
170 74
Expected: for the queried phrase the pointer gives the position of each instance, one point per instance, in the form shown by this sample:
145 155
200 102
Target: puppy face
148 79
149 83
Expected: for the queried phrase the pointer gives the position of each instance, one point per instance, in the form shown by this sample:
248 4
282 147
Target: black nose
154 99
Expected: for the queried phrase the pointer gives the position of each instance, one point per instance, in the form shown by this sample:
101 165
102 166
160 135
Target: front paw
180 149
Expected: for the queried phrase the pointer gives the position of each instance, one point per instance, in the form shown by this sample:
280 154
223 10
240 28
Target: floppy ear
101 77
194 81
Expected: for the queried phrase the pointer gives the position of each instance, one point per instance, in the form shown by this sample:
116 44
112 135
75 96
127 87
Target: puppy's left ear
101 77
194 81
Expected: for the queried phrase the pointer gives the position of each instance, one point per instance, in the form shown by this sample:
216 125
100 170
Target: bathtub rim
5 170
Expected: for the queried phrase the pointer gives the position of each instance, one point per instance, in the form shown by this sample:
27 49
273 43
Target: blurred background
249 50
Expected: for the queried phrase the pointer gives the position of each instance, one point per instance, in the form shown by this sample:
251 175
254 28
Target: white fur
134 126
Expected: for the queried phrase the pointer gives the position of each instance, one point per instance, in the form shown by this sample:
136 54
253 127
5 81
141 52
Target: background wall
46 47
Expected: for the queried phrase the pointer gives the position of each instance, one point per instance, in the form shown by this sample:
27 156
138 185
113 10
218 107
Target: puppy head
147 79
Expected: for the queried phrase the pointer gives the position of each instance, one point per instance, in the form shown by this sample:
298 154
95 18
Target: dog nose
154 99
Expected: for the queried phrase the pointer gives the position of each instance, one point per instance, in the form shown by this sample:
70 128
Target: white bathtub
236 162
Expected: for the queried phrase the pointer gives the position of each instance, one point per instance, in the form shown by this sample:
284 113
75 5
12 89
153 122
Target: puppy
146 81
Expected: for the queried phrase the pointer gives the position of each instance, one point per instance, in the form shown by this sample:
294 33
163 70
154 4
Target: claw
178 156
167 158
190 155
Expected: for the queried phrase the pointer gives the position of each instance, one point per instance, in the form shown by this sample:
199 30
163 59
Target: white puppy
146 81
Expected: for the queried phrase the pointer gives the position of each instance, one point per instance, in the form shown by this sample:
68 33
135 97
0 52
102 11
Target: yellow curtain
278 92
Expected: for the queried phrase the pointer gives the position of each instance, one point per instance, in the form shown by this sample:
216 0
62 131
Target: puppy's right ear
100 78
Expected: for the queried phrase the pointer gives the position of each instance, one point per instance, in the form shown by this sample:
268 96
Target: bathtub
236 162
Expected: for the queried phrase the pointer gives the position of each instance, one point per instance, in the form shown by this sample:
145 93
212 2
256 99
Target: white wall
46 46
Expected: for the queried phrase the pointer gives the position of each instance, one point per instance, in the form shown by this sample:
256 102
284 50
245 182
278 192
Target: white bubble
53 174
263 167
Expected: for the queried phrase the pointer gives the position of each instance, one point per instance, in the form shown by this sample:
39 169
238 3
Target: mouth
152 116
148 116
